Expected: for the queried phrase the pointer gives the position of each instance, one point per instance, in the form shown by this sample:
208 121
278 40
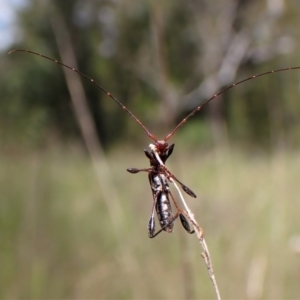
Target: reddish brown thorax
161 146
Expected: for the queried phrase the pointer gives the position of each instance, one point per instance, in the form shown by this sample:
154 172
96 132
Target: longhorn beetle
160 151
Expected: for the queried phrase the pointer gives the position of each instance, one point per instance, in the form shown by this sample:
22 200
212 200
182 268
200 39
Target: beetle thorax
160 146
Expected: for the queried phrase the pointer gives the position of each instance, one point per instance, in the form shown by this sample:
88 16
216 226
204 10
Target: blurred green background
73 222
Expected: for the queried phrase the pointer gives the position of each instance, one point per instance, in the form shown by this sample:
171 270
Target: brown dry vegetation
61 240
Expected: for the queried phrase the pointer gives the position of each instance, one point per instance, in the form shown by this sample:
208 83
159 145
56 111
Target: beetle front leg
135 170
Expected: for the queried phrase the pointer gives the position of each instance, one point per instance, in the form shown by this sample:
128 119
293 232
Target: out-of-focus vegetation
60 238
161 60
73 222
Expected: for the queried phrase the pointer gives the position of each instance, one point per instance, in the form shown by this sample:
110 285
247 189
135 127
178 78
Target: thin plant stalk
198 230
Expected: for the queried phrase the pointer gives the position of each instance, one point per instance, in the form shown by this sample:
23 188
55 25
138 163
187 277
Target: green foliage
61 237
144 52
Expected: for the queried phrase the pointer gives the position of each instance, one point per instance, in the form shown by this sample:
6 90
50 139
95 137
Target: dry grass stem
198 230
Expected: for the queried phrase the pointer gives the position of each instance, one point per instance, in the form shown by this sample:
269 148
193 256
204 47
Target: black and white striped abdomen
160 190
164 212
